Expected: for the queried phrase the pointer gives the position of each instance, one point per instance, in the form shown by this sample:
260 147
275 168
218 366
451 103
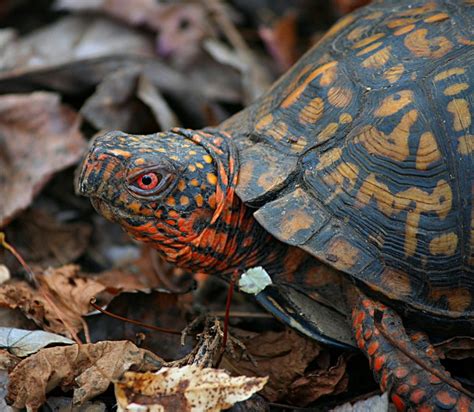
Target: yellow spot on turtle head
120 152
194 182
192 168
199 200
171 201
207 158
181 185
199 165
184 200
212 178
174 157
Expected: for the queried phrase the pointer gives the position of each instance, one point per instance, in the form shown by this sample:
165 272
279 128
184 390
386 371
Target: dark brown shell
362 154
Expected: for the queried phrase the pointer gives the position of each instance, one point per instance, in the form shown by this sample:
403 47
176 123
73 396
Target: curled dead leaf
87 369
186 389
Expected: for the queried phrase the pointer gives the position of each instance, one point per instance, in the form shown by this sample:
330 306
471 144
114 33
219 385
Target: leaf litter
141 67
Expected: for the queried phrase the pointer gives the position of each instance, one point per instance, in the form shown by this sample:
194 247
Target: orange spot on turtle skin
434 379
455 89
199 200
368 40
312 111
425 408
379 363
192 168
404 30
294 96
464 404
199 165
120 152
466 144
372 348
368 334
339 96
420 46
398 402
413 380
455 71
436 18
184 200
394 73
212 201
401 372
194 182
358 319
417 396
171 201
461 114
445 244
181 185
212 179
207 158
403 389
384 380
139 162
445 398
370 48
358 335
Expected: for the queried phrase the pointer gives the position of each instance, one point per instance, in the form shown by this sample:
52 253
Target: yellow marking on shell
294 96
328 77
428 151
420 46
184 200
455 89
312 111
345 118
394 73
293 221
458 299
171 201
278 131
461 114
378 59
368 40
374 16
181 185
192 168
341 24
436 18
212 179
439 202
264 122
464 41
199 200
370 48
174 157
404 30
194 182
466 144
394 103
393 24
120 152
339 96
329 158
448 73
343 178
345 253
445 244
291 87
415 11
328 132
397 283
207 158
356 34
161 150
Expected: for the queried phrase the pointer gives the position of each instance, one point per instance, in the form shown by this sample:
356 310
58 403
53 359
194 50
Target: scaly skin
197 222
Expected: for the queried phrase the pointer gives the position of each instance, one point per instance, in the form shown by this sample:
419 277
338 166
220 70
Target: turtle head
164 188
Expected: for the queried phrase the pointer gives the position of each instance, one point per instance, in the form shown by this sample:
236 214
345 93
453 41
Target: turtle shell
362 154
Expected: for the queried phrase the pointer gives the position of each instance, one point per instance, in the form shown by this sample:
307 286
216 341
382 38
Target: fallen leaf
326 381
282 356
21 342
70 293
43 240
377 403
187 389
38 136
86 369
254 280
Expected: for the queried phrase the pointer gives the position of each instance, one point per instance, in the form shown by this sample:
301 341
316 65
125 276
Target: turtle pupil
146 180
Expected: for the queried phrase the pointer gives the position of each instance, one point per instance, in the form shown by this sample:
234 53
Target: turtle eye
148 181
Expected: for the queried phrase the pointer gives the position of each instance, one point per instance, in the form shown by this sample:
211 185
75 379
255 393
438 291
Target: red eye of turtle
147 181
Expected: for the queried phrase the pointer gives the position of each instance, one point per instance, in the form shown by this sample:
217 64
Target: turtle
350 181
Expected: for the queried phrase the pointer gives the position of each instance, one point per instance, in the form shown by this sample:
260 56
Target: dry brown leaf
87 369
186 389
45 241
38 136
313 385
70 293
283 356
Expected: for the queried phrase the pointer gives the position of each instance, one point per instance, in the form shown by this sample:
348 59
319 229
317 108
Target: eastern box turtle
351 177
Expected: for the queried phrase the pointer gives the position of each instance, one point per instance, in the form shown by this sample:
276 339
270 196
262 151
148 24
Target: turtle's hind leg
405 365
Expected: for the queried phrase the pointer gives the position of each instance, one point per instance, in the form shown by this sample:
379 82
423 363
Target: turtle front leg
411 386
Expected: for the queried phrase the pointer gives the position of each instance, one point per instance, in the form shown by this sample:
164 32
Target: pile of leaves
88 317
